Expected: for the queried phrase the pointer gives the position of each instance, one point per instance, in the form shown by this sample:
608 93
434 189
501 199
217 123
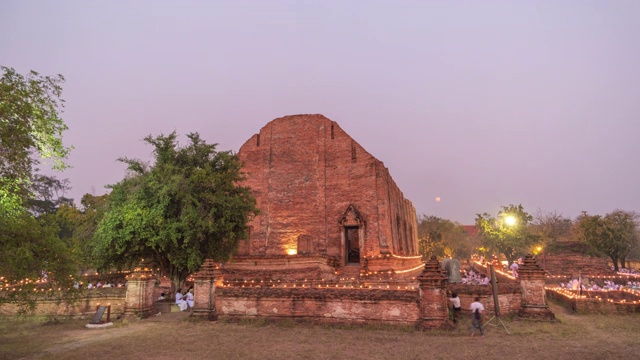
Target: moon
438 199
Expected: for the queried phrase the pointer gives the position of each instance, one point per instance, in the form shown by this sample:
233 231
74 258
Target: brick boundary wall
593 306
320 304
83 306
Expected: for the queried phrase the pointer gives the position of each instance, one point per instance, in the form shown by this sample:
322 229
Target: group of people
627 271
474 278
184 301
575 284
477 310
98 285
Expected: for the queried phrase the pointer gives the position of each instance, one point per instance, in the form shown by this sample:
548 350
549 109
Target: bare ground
174 336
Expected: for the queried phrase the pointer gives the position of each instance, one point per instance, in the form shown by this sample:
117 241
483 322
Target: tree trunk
614 259
177 281
622 262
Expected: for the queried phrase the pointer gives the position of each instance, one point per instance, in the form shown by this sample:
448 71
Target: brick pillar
140 287
204 289
534 303
434 312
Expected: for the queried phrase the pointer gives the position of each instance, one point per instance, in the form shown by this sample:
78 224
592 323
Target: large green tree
184 208
442 237
30 125
615 235
33 246
508 233
31 130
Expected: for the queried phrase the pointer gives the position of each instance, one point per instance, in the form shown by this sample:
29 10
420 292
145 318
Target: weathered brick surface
509 297
139 299
534 301
591 305
572 264
310 179
82 306
325 305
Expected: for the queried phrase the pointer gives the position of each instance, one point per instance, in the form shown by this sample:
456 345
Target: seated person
485 280
189 297
161 297
182 304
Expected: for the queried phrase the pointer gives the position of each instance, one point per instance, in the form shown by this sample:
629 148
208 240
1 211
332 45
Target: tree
442 237
183 209
552 228
615 235
78 225
509 233
29 123
31 249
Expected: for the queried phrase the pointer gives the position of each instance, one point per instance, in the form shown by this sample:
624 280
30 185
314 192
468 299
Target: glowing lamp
292 251
510 220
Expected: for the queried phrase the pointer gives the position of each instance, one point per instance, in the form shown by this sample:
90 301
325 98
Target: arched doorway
352 237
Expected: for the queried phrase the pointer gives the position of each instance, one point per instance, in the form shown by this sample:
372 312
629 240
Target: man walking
476 316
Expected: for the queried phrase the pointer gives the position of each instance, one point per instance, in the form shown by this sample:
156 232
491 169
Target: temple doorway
352 244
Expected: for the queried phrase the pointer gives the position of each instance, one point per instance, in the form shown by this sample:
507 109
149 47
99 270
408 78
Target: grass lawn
173 336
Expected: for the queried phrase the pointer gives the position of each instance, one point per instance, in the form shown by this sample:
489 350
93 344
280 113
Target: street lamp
510 220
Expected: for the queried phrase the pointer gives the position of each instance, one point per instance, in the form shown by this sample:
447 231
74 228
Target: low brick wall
82 306
593 305
509 297
321 305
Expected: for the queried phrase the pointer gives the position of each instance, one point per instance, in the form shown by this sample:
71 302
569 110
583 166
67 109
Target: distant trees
552 229
508 233
614 235
441 237
185 207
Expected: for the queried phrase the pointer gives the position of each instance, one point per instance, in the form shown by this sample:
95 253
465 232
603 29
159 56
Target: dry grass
172 336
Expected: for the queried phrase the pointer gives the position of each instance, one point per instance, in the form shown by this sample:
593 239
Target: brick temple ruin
323 197
336 241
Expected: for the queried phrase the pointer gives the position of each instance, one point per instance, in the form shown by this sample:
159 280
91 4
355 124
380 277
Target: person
455 300
485 280
189 297
476 316
161 297
182 304
514 269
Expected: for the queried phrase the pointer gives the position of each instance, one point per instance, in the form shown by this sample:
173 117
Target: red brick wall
305 171
83 306
324 305
509 297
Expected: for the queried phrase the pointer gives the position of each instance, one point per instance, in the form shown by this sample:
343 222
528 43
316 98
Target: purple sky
481 103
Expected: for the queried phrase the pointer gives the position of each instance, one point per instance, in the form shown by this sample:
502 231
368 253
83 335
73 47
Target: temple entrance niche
352 244
352 235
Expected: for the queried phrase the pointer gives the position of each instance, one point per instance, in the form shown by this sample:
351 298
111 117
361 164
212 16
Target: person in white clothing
189 297
182 304
514 269
455 301
476 316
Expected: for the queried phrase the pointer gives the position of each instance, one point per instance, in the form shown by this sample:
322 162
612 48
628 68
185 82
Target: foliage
31 250
32 245
442 237
615 235
29 123
184 208
510 240
78 225
552 229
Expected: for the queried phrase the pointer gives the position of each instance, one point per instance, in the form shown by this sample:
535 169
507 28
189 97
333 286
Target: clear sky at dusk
480 103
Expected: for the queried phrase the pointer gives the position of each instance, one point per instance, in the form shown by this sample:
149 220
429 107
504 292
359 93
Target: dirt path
81 338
